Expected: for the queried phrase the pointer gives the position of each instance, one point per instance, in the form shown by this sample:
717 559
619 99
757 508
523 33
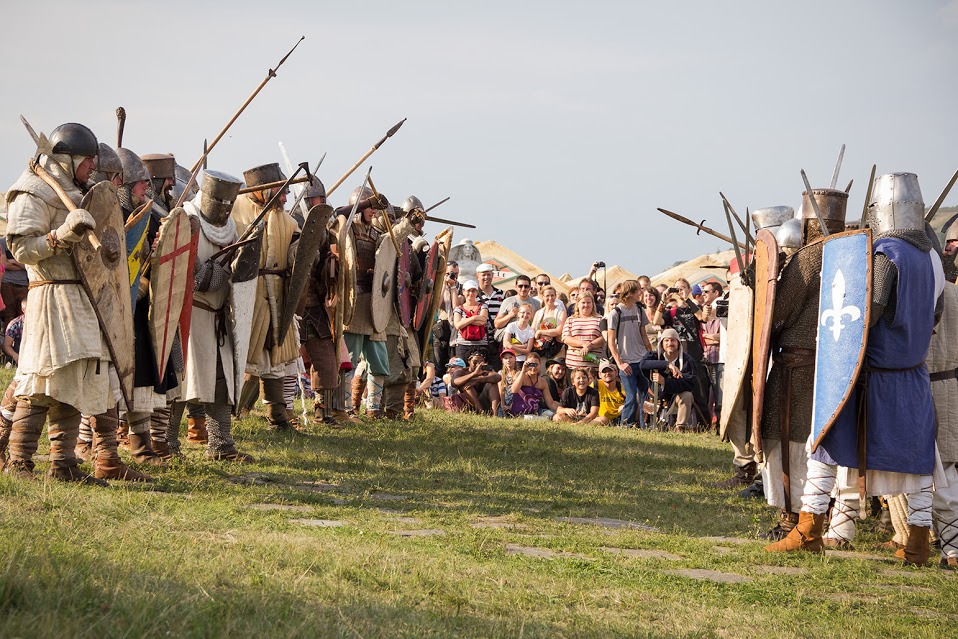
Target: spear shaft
701 227
372 150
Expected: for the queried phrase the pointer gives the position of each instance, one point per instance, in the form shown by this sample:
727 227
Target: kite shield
172 274
766 281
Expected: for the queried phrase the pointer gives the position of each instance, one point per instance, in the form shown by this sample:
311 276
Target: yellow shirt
611 400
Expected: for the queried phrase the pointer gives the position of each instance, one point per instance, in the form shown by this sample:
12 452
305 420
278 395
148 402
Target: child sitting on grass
580 402
611 394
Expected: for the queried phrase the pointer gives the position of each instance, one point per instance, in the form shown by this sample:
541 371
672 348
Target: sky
556 127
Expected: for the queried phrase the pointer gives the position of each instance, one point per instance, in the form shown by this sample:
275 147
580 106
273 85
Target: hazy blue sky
556 127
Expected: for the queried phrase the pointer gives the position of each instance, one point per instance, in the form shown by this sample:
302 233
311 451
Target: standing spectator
611 394
580 402
673 374
604 324
470 319
520 335
582 336
444 332
542 281
13 334
557 377
548 323
628 344
712 337
650 300
586 286
509 310
530 392
492 297
13 289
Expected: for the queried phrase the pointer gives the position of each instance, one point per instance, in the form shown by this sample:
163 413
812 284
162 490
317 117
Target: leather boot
164 451
123 435
343 419
196 430
84 450
786 522
326 415
916 550
63 431
356 389
142 450
744 475
409 401
6 427
74 474
229 455
25 430
806 535
107 463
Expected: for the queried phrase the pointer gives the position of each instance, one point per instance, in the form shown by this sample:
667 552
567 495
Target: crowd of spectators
647 356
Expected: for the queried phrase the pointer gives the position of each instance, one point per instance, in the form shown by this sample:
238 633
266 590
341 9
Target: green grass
189 557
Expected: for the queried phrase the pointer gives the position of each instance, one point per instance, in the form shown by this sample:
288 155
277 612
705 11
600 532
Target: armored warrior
890 414
787 414
362 340
162 170
109 167
64 366
211 378
269 360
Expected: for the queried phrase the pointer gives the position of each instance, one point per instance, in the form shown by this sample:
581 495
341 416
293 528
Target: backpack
473 332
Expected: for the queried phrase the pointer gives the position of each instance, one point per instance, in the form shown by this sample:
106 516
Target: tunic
943 360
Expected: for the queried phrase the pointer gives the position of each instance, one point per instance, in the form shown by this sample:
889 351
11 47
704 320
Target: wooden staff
372 150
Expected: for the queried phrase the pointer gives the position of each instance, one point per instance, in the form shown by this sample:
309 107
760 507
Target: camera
599 264
672 290
721 307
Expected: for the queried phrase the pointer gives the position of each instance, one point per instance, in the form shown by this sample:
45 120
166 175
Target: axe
45 148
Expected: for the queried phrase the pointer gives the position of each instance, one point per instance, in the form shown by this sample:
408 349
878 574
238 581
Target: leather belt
272 271
219 319
39 283
941 376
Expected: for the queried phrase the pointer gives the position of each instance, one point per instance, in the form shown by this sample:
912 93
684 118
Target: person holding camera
530 392
672 374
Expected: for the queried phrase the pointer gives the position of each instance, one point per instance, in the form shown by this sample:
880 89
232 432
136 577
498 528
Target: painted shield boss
843 319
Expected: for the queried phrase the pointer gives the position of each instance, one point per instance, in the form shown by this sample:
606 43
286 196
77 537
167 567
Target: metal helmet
772 217
951 233
134 170
108 163
160 165
896 203
831 202
360 193
74 139
412 203
316 188
218 195
789 234
263 174
182 179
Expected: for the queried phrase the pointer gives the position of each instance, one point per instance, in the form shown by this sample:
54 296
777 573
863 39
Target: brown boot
916 550
806 535
196 431
786 522
6 427
142 450
123 435
744 475
74 474
164 451
342 419
356 389
84 450
106 459
409 401
25 431
232 455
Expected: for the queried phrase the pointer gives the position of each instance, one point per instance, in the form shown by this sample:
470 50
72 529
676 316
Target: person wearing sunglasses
509 311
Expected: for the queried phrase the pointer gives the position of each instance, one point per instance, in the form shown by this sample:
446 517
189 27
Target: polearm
731 229
430 218
272 185
269 76
120 124
372 150
701 227
437 204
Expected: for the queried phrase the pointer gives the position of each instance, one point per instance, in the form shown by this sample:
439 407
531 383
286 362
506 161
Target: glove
74 228
380 203
420 244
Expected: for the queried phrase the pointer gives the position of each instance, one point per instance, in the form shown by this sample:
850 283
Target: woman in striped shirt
582 335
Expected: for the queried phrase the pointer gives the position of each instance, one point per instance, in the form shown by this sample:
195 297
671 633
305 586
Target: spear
731 229
748 236
838 167
120 124
389 226
436 205
702 228
372 150
430 218
269 76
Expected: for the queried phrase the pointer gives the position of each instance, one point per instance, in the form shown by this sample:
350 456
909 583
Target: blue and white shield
843 317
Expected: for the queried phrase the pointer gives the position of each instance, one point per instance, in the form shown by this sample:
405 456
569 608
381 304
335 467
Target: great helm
263 174
772 217
831 202
161 166
74 139
896 203
218 195
134 170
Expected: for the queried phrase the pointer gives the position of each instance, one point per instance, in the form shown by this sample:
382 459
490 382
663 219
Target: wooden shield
345 282
310 240
245 269
105 276
404 288
171 270
427 286
186 314
137 251
444 240
738 350
766 281
384 285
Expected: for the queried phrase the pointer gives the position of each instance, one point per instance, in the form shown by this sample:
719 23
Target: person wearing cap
478 383
672 373
580 402
557 377
470 320
432 388
492 297
611 394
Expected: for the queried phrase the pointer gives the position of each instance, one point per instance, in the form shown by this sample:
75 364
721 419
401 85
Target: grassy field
451 526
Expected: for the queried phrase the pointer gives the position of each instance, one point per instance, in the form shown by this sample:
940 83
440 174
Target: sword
941 198
868 197
818 212
838 167
748 236
453 222
436 205
372 150
120 124
738 252
701 227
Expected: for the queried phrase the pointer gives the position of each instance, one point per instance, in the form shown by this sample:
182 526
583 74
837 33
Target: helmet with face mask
896 204
217 196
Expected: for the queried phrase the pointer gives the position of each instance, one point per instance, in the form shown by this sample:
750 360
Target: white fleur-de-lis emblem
837 311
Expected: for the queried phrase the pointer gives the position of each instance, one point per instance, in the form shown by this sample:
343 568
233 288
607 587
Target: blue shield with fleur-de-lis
843 318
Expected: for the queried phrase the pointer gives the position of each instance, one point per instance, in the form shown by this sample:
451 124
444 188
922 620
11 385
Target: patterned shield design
843 319
137 249
172 274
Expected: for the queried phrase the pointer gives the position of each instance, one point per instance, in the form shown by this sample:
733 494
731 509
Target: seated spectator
530 392
507 376
683 314
672 374
548 323
453 402
13 335
582 336
470 321
557 377
580 402
519 335
479 384
432 388
611 394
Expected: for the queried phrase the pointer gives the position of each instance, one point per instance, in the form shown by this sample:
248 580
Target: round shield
430 275
384 285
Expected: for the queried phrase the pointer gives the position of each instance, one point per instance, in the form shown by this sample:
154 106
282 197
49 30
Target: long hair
578 302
